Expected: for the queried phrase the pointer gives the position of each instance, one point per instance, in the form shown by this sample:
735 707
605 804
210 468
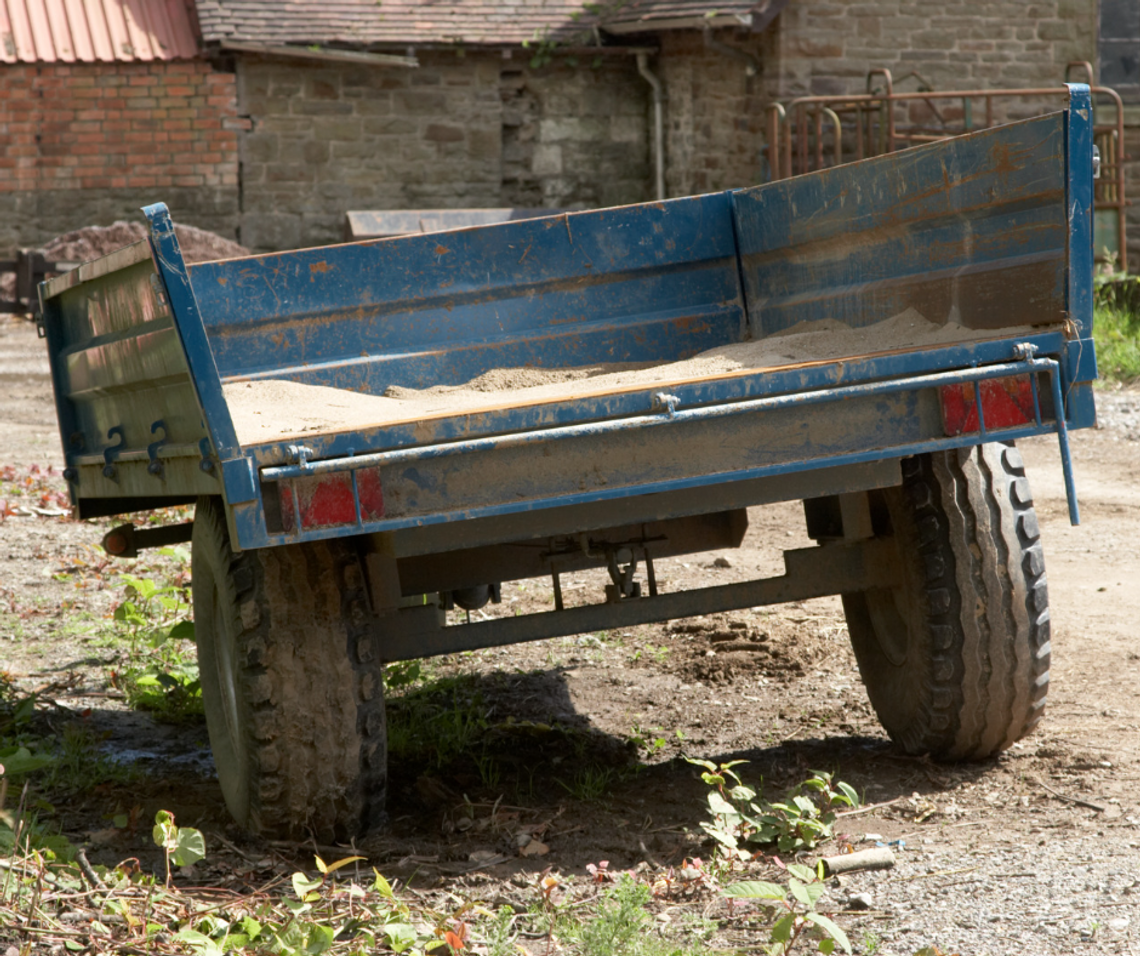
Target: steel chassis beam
810 573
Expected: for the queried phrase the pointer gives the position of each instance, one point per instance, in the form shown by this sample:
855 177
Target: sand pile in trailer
272 409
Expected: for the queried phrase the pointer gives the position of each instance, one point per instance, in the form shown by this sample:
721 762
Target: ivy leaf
303 886
199 943
400 936
320 938
189 847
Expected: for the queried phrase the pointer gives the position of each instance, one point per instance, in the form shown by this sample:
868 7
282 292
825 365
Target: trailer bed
272 410
812 323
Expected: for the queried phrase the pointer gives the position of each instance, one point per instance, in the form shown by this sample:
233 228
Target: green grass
1117 335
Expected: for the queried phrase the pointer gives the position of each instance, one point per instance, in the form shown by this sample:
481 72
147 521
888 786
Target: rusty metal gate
814 132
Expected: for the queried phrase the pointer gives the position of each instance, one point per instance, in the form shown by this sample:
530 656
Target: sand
91 242
273 409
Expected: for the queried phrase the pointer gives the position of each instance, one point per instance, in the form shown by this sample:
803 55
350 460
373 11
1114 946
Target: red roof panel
89 31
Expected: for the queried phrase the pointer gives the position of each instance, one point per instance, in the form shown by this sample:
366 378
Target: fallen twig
868 808
87 869
233 849
1076 801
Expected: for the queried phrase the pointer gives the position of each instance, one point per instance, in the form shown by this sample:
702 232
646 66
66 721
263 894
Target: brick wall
471 130
89 144
85 144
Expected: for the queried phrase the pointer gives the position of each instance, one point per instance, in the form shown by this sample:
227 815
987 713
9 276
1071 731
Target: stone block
345 130
547 159
341 151
810 47
372 103
624 129
555 130
421 101
484 144
392 126
1054 30
322 88
322 108
287 173
442 133
259 147
422 77
315 152
270 232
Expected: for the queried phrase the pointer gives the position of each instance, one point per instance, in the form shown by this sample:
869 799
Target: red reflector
326 501
1005 402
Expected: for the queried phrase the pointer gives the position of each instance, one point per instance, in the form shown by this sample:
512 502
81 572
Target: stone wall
472 130
475 128
825 46
716 110
575 134
86 144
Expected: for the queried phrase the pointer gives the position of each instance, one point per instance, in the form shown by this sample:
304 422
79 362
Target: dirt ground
1034 852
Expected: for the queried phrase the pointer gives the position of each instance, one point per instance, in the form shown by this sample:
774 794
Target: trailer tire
956 659
292 690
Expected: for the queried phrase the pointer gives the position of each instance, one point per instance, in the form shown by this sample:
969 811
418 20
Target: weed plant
1117 335
52 898
159 669
1116 325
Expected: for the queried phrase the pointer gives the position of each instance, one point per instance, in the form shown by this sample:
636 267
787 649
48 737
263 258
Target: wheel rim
888 625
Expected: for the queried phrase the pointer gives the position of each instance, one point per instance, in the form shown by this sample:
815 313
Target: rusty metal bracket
111 452
155 466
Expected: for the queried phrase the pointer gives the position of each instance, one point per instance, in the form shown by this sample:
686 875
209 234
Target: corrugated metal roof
392 21
91 31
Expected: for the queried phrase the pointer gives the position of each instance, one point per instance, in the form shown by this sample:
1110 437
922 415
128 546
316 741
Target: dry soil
1035 852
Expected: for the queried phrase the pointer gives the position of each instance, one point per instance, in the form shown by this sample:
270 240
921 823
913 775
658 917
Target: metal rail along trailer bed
334 523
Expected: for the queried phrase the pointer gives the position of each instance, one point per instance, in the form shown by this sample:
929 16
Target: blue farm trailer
870 339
